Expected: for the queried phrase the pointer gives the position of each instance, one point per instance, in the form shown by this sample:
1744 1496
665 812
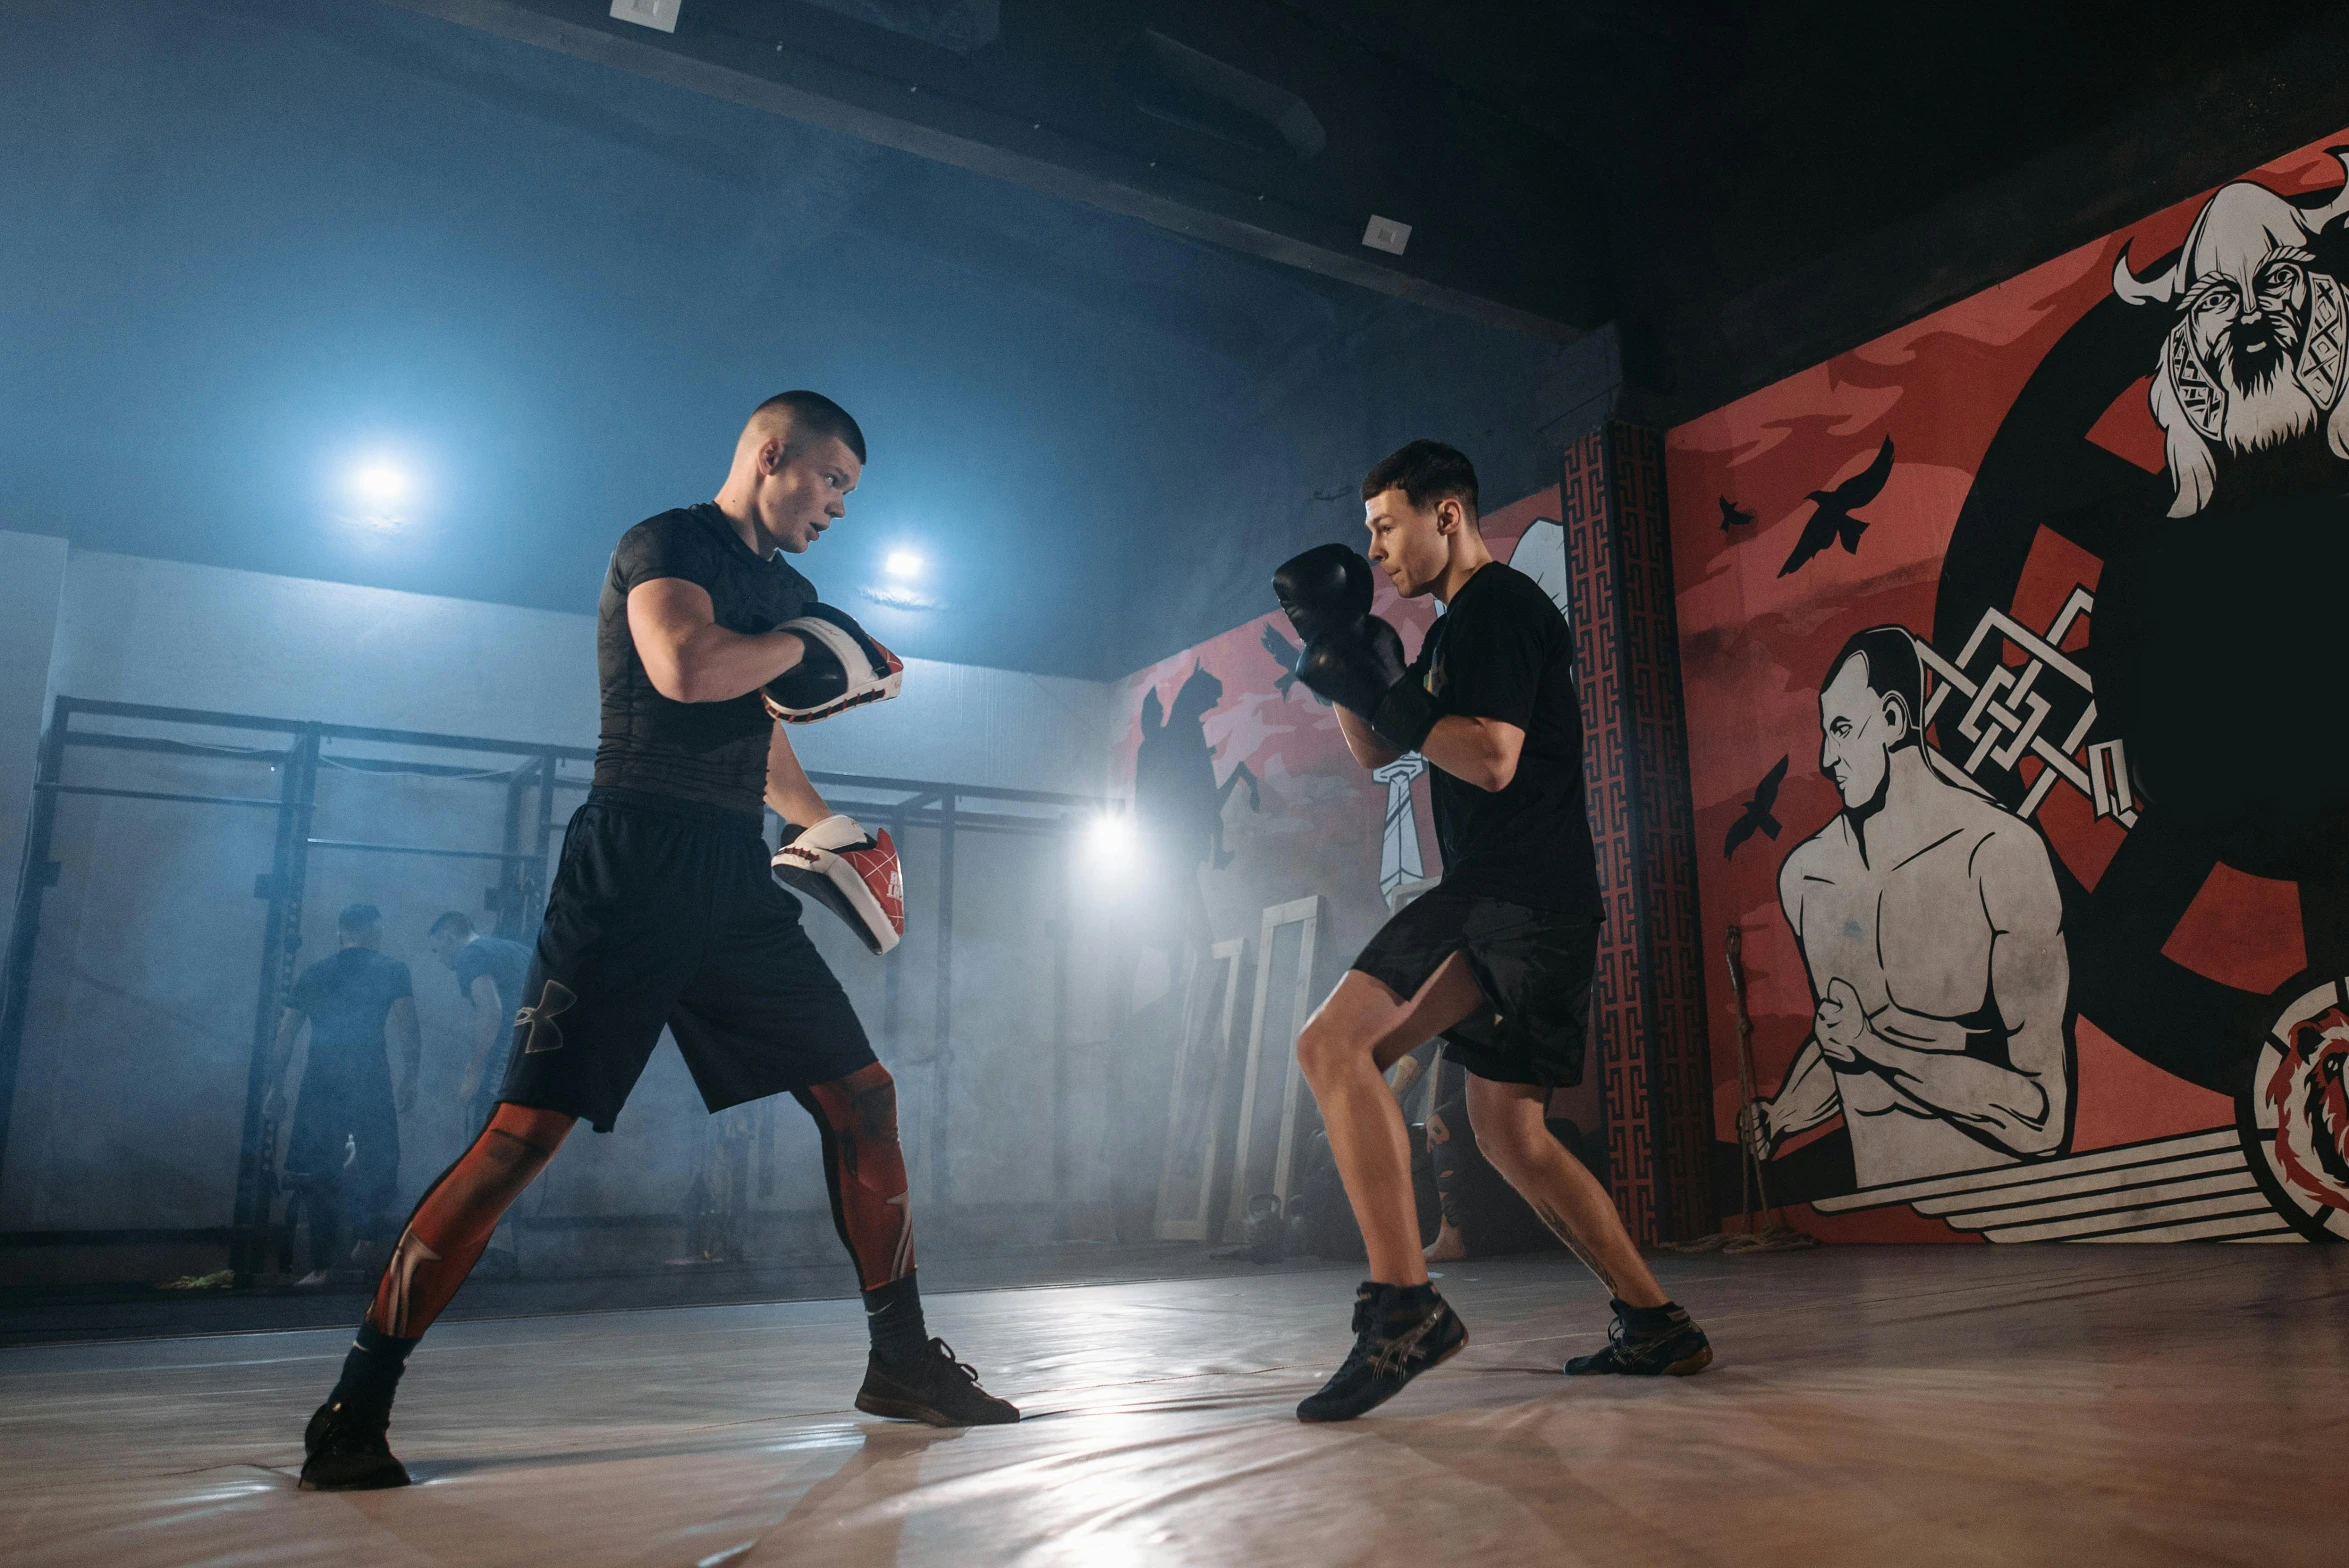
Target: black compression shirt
713 752
346 998
1502 651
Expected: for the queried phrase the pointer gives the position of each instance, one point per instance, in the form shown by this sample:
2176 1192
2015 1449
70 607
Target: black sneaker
932 1387
1399 1332
1675 1348
346 1450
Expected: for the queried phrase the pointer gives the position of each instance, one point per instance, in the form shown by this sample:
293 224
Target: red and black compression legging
863 1167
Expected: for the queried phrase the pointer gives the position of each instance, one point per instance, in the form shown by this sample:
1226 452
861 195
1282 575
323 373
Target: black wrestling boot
1648 1342
930 1385
347 1450
1400 1331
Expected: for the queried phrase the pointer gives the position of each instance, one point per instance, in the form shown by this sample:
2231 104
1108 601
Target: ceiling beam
983 117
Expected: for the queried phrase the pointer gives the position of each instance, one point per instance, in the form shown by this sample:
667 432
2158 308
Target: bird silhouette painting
1832 521
1733 515
1756 817
1284 653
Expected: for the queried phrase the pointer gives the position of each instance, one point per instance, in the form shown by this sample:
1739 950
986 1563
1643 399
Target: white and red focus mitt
843 669
851 873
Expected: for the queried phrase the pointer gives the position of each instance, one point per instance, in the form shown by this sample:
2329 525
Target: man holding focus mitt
1497 958
666 912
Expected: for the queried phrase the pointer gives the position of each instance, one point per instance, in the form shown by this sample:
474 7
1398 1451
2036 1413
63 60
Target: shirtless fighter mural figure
1931 924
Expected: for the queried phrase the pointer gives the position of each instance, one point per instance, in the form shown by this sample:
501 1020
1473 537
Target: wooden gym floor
2085 1405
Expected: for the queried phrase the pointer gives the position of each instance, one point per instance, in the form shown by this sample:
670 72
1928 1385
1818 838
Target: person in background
489 971
345 1142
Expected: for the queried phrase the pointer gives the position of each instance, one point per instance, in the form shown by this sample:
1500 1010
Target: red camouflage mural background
2072 969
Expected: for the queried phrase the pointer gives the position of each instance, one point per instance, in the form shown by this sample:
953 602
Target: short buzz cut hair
818 415
359 918
1888 660
1426 472
455 923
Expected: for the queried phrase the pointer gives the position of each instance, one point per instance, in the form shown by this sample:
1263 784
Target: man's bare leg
1652 1335
1511 1132
1346 1047
1401 1326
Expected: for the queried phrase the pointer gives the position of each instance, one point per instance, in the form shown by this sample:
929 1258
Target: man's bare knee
1509 1138
1326 1049
1505 1150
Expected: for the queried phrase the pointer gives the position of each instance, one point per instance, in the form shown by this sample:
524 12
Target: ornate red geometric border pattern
1648 1000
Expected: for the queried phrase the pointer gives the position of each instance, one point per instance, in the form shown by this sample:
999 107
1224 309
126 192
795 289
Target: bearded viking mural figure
2255 362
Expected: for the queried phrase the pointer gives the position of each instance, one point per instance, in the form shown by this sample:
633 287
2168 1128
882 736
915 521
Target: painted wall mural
2010 659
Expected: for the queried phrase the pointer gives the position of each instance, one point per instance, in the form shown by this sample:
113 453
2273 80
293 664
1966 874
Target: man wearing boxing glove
1498 957
664 912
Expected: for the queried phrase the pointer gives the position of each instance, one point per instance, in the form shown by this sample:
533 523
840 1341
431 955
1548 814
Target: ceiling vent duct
959 25
1174 82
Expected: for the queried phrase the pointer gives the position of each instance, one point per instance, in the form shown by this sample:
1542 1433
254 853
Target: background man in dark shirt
1498 958
489 971
345 1142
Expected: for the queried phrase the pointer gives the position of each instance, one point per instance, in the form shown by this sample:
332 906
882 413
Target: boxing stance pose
1497 958
664 911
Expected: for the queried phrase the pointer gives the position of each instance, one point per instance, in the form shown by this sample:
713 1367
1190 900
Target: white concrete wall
32 587
143 985
164 632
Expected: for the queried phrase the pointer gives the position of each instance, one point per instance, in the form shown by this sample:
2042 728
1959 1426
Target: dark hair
817 415
360 917
454 923
1888 656
1426 472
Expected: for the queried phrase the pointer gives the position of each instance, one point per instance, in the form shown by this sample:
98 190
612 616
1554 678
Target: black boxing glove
1360 668
1326 587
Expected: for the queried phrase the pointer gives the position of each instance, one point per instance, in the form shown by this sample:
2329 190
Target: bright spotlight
1114 846
379 483
902 563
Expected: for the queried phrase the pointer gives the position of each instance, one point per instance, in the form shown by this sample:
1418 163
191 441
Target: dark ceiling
1092 271
1738 186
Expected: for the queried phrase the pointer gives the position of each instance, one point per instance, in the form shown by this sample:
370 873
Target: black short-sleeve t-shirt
713 752
506 963
1502 651
346 999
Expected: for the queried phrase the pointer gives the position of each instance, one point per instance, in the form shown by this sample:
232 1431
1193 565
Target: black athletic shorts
1533 966
665 911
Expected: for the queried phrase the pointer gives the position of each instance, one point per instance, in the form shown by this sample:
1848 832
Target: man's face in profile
1857 728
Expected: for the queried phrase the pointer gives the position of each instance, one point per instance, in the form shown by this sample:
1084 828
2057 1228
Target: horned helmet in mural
2255 361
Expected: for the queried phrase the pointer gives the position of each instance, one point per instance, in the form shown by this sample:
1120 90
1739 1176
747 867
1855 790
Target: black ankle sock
1648 1320
893 1313
1400 1303
371 1372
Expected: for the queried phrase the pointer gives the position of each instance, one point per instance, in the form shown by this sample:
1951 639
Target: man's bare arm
689 656
489 1022
1368 746
1808 1094
411 1043
789 794
2024 1107
281 1055
1483 752
1806 1097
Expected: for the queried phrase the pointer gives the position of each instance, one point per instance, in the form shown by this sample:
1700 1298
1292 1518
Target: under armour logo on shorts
545 1034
